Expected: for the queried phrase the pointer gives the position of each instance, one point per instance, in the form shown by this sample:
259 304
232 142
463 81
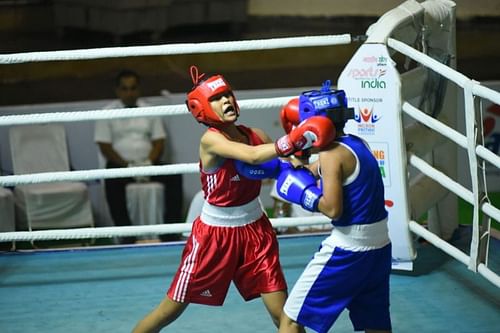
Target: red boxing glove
316 131
289 115
290 118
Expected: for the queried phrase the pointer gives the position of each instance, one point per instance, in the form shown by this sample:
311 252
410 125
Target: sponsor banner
380 151
372 86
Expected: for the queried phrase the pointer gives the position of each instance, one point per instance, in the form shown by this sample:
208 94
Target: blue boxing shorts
349 271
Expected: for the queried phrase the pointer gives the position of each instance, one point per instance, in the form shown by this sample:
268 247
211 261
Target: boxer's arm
214 144
333 167
269 169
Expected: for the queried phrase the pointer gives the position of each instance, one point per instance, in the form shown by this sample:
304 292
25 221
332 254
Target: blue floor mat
109 290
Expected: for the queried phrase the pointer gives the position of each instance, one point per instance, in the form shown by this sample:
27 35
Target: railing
475 151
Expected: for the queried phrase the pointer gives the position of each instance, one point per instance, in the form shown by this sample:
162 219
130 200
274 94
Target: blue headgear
326 102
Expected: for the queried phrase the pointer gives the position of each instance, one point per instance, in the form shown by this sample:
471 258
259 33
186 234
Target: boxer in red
232 240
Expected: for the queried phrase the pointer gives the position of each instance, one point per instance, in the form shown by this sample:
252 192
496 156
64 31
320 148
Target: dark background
27 26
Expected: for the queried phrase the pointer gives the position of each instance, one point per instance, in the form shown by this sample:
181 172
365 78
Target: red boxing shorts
216 255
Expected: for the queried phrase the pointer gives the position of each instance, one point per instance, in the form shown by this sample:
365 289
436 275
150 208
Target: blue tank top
364 195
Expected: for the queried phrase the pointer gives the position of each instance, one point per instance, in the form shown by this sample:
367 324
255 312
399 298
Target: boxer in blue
352 267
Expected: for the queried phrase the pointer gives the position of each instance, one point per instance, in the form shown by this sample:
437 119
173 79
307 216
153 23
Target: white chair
7 221
194 209
43 148
145 203
145 200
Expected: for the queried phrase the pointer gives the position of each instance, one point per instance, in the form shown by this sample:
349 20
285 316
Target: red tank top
224 187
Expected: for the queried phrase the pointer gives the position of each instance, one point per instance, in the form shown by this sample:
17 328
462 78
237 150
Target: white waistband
231 216
360 237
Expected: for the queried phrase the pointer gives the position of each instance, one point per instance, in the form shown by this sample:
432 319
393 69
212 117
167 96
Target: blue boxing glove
269 169
299 186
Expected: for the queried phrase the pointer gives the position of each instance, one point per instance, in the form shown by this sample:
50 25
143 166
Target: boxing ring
111 288
114 284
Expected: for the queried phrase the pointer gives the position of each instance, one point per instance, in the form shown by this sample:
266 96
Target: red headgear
198 99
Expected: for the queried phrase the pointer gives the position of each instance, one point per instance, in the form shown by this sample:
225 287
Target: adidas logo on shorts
235 178
206 293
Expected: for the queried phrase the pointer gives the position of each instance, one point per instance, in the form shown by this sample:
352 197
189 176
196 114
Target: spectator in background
135 142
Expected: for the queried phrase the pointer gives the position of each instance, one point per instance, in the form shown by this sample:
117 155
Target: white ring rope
471 89
85 175
452 185
149 111
92 174
264 103
451 74
172 49
149 230
449 132
416 228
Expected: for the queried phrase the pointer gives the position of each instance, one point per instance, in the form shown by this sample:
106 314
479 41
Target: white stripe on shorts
305 282
187 268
